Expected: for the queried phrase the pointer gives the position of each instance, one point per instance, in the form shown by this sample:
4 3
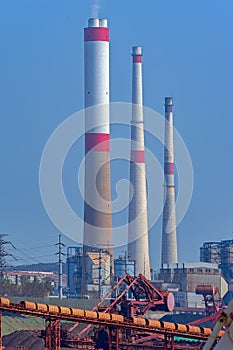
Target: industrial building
74 270
19 277
15 277
220 253
123 265
91 269
98 271
185 277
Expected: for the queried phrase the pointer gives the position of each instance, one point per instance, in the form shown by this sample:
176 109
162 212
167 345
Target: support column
110 338
52 337
172 343
0 331
117 339
165 342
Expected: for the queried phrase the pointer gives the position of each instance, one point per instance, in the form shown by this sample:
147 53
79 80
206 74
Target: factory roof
95 257
190 265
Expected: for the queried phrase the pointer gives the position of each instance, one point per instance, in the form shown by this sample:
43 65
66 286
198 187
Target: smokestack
138 248
169 244
97 210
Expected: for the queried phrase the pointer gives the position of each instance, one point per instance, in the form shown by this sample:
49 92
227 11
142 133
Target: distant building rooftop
36 274
29 273
190 265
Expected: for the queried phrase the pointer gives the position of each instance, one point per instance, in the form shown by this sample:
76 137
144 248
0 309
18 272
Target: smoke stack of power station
138 248
97 210
169 243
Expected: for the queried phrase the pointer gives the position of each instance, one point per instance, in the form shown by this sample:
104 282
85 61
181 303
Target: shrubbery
26 288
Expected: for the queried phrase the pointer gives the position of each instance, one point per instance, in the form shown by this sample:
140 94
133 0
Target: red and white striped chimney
97 210
169 243
138 248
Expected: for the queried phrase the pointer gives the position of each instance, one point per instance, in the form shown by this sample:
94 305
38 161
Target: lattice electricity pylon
4 254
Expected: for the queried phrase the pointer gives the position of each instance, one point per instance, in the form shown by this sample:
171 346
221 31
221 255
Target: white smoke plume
94 8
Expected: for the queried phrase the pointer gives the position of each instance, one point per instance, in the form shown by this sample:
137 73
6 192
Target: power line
38 247
34 258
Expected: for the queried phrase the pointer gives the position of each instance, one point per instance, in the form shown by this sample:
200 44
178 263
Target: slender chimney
97 210
138 248
169 244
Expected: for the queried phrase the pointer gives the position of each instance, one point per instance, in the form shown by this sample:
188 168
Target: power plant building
185 277
74 270
220 253
98 271
123 265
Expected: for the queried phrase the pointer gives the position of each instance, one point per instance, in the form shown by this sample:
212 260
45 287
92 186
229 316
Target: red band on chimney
97 142
137 59
168 108
137 157
96 34
169 168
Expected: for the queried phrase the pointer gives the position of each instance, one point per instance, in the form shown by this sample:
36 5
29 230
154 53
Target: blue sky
188 54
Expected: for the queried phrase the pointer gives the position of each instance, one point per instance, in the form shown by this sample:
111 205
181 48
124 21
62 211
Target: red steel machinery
109 331
213 303
212 298
130 297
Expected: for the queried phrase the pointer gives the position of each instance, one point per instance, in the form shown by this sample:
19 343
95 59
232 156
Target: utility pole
100 273
60 253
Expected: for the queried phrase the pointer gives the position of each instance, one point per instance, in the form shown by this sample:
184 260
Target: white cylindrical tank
97 210
169 242
138 247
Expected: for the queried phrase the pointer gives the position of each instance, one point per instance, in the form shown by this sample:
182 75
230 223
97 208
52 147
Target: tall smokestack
138 249
97 210
169 244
